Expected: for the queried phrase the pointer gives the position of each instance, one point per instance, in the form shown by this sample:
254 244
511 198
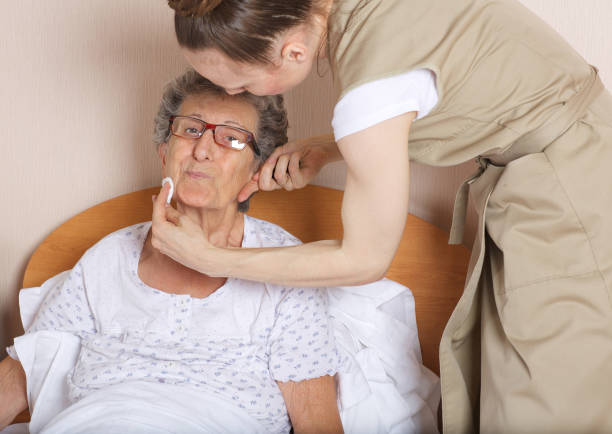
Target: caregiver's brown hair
244 30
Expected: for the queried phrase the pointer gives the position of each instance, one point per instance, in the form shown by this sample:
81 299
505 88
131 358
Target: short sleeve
301 343
12 353
66 307
383 99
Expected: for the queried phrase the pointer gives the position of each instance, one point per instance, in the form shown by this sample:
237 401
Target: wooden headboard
433 270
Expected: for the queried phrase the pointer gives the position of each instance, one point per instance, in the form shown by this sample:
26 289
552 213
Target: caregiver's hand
294 165
177 236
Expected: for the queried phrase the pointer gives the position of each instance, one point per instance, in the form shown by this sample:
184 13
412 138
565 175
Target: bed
432 269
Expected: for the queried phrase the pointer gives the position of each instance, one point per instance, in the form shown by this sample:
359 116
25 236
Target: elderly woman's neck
160 271
224 228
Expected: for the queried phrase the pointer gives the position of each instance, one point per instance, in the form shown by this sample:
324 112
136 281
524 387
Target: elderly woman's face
205 174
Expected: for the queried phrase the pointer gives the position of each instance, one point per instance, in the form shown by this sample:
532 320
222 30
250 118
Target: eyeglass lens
227 136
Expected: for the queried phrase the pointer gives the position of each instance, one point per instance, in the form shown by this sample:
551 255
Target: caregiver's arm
13 394
374 211
312 405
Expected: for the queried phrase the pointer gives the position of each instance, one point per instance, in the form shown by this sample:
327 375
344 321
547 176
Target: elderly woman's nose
204 146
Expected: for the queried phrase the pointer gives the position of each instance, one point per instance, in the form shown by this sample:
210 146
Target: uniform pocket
532 222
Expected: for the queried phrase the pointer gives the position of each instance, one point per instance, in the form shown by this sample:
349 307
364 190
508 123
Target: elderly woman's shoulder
125 241
262 233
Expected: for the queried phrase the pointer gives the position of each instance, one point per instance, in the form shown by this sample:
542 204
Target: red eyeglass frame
212 127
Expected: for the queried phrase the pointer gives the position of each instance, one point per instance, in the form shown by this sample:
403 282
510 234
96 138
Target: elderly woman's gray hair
271 115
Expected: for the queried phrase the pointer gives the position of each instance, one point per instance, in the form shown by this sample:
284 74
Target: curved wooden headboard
433 270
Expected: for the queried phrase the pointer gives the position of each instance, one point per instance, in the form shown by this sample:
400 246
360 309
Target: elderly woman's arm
312 405
374 211
13 392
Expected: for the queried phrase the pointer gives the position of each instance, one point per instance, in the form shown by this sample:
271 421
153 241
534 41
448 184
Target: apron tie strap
461 203
532 142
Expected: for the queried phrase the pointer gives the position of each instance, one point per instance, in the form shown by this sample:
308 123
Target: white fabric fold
16 428
136 407
30 299
47 358
385 388
144 407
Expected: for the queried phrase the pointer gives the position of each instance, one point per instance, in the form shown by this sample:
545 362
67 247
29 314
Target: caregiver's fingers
267 170
295 172
159 205
266 181
280 171
287 148
173 216
249 189
165 192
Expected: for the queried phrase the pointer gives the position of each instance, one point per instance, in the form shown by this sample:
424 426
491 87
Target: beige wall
80 84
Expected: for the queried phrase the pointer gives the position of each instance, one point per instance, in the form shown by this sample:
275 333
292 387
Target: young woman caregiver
529 345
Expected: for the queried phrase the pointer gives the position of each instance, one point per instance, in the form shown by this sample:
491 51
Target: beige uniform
529 345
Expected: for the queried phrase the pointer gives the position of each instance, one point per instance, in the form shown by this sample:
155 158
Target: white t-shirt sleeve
383 99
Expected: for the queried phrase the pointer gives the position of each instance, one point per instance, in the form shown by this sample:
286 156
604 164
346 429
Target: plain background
81 81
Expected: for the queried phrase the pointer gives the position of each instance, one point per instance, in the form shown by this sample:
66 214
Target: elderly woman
165 348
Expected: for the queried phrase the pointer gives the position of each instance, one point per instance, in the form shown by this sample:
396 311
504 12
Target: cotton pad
169 181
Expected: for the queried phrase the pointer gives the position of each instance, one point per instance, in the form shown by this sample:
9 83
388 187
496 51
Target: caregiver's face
236 77
206 174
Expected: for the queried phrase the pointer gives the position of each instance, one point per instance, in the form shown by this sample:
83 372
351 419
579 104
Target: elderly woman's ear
250 188
162 150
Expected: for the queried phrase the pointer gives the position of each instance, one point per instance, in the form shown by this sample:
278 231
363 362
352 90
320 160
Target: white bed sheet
383 389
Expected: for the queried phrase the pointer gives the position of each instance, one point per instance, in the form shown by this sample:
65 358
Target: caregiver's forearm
329 143
322 263
374 210
13 394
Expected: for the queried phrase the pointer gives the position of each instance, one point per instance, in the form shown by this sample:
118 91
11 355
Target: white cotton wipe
169 181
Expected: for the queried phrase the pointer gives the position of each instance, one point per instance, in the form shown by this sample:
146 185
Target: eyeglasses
189 127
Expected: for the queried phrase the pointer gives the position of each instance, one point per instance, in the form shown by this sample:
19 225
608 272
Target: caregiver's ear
294 48
162 150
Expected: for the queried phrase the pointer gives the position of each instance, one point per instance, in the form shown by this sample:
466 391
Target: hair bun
196 8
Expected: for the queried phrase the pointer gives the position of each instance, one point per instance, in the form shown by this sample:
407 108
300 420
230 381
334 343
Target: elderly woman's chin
199 197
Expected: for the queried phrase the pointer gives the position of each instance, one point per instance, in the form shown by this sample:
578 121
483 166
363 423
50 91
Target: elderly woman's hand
178 237
295 164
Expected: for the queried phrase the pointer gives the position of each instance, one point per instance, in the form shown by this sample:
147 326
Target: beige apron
529 345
